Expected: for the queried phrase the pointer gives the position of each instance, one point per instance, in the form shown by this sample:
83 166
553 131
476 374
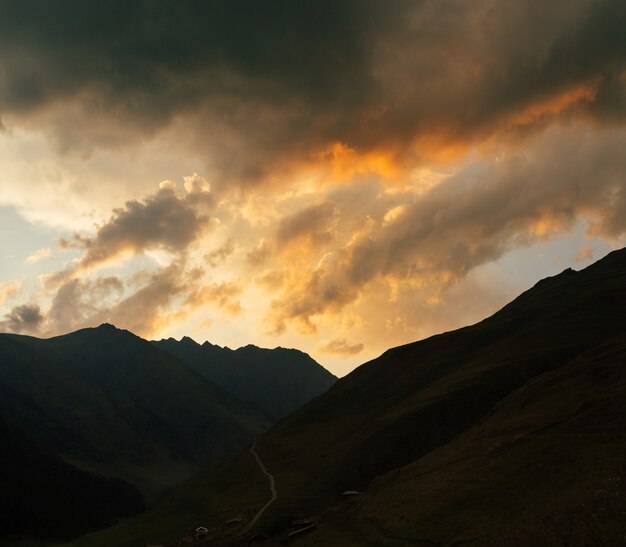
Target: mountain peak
187 340
109 330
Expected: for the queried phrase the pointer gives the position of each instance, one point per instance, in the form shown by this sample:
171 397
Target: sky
337 176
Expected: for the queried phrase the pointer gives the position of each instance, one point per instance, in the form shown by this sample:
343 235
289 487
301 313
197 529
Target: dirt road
272 482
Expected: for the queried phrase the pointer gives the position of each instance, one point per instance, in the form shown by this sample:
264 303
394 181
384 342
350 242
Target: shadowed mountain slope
110 402
277 381
502 433
43 496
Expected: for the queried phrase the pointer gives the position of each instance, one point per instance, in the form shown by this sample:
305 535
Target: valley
486 435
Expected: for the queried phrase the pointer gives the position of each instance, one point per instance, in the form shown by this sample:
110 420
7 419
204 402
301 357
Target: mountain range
101 404
278 381
511 431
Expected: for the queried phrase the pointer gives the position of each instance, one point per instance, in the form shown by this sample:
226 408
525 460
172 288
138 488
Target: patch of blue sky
20 239
525 266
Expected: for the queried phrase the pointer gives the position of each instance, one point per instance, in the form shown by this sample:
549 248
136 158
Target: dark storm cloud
142 63
139 46
261 83
23 318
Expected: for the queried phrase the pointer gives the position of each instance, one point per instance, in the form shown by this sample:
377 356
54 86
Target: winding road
272 490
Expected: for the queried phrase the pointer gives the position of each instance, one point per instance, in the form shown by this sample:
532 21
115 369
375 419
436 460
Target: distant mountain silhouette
111 402
277 381
43 496
508 432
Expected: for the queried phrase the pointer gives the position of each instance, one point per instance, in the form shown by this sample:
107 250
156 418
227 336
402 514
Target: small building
201 531
349 493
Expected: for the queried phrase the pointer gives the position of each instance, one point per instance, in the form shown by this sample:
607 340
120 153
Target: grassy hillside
43 496
278 381
546 467
110 402
503 433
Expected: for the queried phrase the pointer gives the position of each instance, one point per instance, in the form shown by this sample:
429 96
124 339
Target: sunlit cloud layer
336 176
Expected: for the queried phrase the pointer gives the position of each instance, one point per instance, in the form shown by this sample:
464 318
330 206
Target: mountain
110 402
508 432
43 496
277 381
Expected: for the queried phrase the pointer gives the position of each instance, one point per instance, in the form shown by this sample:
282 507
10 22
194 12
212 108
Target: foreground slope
504 432
277 381
110 402
546 467
43 496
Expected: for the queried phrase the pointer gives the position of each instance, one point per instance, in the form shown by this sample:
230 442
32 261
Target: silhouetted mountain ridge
278 380
111 402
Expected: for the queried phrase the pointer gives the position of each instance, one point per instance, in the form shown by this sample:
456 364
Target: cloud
469 220
313 224
26 318
341 346
223 295
8 290
157 299
259 254
146 310
221 253
585 253
171 295
257 90
39 255
162 221
80 303
195 184
366 157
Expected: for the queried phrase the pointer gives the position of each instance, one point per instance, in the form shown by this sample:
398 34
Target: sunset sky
340 176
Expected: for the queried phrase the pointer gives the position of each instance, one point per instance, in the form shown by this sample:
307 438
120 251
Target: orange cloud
223 295
554 104
345 163
8 290
472 218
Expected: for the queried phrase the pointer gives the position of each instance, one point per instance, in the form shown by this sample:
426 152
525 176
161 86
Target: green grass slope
278 380
500 433
110 402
